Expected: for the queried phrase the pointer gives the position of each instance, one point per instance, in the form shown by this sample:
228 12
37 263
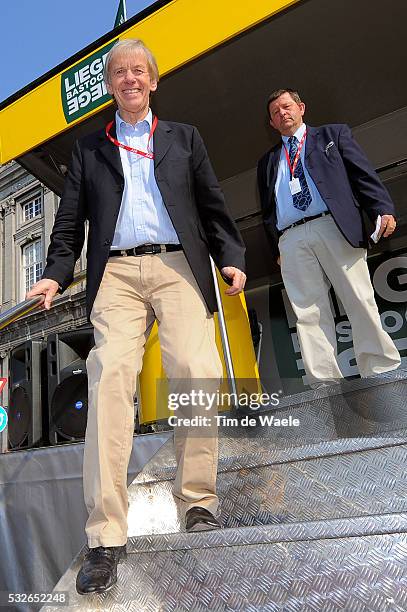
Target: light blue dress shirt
143 218
286 211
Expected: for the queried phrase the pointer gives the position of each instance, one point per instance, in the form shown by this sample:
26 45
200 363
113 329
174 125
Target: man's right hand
46 287
279 261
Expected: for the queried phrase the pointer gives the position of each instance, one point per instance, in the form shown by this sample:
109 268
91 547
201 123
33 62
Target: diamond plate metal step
330 423
366 573
331 486
313 519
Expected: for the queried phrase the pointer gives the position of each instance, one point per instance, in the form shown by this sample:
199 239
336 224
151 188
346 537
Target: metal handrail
23 308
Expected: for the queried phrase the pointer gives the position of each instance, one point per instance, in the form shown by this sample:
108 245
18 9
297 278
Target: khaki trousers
133 293
314 256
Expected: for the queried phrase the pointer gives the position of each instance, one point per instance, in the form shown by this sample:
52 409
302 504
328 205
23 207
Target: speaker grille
69 407
19 417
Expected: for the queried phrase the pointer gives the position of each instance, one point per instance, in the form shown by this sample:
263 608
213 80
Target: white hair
130 45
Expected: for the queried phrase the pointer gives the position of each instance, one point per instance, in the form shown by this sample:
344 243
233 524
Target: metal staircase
314 517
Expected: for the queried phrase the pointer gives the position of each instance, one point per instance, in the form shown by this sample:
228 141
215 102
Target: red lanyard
149 154
297 155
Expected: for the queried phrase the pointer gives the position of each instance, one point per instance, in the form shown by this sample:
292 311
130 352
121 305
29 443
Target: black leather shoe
99 569
200 519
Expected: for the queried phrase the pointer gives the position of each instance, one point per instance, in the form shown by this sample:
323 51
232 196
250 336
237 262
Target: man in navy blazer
313 187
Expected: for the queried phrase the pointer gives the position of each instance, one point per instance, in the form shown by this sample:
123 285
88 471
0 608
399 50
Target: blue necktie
302 199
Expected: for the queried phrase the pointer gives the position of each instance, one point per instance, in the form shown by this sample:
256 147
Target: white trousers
315 255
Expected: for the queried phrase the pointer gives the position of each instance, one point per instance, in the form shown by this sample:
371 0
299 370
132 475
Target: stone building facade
27 213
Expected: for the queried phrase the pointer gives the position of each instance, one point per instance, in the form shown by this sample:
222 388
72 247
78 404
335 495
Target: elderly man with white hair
155 213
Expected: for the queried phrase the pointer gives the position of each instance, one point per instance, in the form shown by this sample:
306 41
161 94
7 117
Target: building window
32 208
32 262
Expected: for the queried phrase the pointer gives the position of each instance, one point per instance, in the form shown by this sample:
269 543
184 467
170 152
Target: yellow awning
178 32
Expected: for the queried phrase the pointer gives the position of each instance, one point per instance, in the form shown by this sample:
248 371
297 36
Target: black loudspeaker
68 384
27 412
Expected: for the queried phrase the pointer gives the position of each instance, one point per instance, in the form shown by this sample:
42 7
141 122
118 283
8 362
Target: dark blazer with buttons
190 191
343 176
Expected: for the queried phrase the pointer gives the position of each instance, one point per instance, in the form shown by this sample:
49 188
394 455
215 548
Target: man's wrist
60 288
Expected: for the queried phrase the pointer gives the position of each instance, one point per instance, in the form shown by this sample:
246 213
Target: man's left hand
387 226
237 277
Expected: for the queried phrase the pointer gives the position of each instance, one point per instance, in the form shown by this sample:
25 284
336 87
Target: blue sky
36 35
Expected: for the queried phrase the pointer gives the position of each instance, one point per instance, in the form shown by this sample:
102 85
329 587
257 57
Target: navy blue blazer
343 176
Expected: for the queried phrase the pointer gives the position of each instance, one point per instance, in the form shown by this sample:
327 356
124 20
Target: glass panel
32 209
32 258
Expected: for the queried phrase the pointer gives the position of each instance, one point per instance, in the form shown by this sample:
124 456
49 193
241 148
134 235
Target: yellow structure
152 385
175 42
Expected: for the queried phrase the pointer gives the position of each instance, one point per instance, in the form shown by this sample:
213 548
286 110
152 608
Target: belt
147 249
302 221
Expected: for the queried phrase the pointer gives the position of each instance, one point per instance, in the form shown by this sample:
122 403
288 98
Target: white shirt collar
298 134
121 122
